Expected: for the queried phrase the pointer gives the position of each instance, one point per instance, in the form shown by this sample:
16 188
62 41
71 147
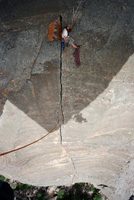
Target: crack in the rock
75 172
61 90
73 179
74 168
62 110
72 162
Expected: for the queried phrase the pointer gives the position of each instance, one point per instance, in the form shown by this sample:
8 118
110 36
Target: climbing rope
76 10
29 144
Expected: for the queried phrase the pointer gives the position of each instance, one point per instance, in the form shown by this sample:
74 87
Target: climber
66 38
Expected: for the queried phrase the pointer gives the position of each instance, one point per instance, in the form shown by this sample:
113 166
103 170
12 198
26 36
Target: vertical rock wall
94 140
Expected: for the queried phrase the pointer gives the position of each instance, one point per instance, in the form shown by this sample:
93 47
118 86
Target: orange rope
8 152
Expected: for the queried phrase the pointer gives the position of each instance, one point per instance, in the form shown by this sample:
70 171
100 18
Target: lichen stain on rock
79 118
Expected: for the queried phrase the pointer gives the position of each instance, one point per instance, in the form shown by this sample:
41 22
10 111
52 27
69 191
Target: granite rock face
93 141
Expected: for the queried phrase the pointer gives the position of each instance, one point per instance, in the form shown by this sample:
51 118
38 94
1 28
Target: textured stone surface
14 10
94 140
107 136
98 150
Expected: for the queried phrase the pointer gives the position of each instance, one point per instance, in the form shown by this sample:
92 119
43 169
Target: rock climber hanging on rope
69 41
66 38
65 33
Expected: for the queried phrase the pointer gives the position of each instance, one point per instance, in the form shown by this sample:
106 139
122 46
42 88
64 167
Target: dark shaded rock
39 98
13 9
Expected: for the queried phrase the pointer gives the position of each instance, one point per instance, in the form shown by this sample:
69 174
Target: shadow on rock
42 97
